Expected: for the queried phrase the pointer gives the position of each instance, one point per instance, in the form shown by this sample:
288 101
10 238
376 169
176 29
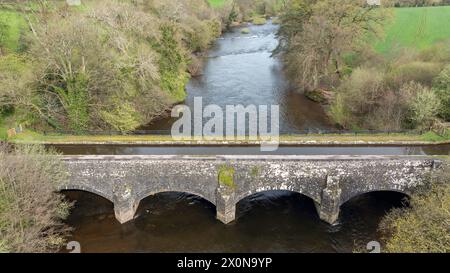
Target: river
238 70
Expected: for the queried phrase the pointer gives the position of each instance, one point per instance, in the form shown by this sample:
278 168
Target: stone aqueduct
328 180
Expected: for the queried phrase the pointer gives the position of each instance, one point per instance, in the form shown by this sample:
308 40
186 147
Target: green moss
226 176
245 31
259 21
254 172
316 96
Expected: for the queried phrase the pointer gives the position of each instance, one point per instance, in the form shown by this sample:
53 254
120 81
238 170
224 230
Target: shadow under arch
88 190
161 200
367 210
274 198
401 195
86 203
286 191
146 194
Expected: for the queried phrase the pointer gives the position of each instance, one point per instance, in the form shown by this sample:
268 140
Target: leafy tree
172 63
425 106
87 69
442 88
16 87
123 118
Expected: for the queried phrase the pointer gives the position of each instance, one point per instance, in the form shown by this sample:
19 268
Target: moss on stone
226 176
259 21
254 172
245 30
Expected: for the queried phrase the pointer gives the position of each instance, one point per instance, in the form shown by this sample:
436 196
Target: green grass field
216 3
416 27
14 25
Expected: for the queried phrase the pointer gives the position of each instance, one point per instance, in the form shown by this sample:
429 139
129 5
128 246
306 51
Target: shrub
365 101
123 117
172 63
276 21
417 71
424 226
441 86
358 97
195 67
339 112
200 34
75 99
17 94
31 213
424 106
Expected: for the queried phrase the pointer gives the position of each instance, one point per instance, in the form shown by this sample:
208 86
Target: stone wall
328 180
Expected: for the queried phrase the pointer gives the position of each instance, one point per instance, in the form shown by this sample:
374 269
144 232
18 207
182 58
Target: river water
238 70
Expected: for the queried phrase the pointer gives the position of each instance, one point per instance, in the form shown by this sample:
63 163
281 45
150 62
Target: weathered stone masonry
328 180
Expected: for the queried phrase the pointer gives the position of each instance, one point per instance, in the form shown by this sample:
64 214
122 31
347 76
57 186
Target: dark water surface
223 150
266 222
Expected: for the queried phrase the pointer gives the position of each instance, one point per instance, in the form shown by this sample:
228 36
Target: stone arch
147 193
87 189
276 189
360 193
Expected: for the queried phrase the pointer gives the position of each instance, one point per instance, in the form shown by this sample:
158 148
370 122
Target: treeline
108 64
328 50
256 11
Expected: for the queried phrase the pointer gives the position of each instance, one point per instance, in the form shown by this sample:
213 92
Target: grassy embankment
33 137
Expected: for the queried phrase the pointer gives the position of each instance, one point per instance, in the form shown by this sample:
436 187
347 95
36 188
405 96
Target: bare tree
320 33
31 212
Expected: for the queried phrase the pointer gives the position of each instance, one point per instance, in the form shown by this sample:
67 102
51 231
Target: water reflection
202 150
266 222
